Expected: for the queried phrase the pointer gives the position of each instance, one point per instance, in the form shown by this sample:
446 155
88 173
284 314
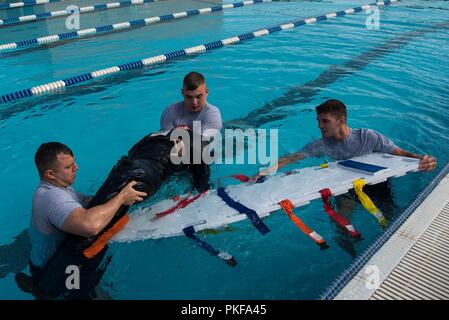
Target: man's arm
282 162
427 163
384 144
89 222
166 120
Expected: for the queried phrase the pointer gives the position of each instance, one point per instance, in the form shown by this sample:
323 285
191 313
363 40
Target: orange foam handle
101 242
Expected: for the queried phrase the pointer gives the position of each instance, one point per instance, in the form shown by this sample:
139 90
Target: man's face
64 171
195 100
329 124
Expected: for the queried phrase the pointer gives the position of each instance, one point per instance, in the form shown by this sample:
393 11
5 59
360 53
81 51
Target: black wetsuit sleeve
201 175
200 171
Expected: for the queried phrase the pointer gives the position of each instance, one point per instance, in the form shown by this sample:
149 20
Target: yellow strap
324 165
367 203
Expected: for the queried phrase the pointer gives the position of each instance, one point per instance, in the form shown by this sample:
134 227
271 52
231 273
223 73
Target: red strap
339 219
287 206
241 177
181 204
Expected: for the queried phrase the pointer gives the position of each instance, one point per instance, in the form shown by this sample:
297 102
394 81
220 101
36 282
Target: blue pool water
394 80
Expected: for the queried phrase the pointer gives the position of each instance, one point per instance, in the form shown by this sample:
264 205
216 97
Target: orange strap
101 242
287 206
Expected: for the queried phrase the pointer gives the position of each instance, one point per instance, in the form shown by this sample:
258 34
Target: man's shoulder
364 131
49 194
213 109
313 144
172 109
368 133
175 106
319 141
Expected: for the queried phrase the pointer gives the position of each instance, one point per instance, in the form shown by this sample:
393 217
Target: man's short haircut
193 80
334 107
47 153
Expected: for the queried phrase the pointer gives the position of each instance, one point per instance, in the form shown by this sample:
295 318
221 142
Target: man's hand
129 195
427 163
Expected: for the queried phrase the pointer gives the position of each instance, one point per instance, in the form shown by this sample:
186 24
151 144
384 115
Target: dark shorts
381 192
51 280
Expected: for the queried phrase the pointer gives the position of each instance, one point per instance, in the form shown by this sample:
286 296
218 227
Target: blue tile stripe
49 87
332 291
57 14
45 40
25 3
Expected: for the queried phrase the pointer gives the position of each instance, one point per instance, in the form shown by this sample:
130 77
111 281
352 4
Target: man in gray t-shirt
341 142
358 142
194 107
58 209
51 206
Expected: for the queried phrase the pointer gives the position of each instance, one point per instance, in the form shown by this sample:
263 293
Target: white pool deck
413 264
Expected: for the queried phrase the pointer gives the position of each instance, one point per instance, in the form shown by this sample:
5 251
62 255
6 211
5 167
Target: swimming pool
393 80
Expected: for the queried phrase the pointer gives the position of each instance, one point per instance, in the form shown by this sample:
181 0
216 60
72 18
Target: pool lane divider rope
63 13
119 26
5 6
155 60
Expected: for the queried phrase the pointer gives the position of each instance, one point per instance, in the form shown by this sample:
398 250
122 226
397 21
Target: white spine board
301 186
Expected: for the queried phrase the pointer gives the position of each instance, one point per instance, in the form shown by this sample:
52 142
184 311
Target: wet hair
193 80
334 107
47 153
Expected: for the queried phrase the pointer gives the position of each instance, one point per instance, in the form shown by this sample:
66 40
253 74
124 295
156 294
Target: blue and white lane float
64 13
4 6
119 26
159 59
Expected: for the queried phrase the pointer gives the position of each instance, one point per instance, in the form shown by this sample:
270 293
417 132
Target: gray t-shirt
358 143
51 207
177 115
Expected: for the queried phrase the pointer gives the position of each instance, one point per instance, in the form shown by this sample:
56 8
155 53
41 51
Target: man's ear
49 174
